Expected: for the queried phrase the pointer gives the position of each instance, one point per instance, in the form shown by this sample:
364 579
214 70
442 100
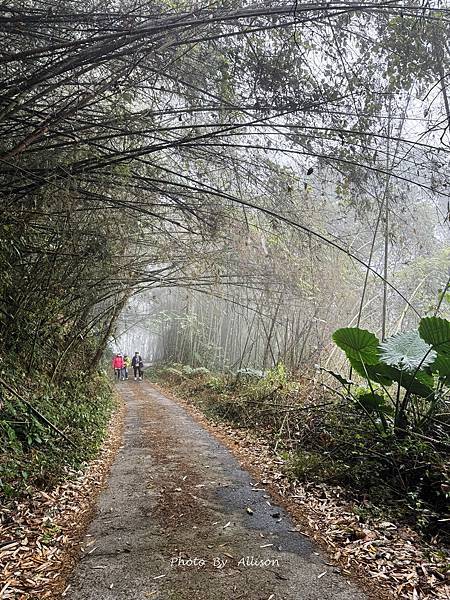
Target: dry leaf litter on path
40 537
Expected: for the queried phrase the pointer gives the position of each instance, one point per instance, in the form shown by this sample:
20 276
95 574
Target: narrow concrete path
181 520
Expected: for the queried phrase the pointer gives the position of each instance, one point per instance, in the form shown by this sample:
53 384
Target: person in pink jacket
118 365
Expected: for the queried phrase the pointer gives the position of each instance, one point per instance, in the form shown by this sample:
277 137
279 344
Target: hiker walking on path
118 366
126 365
137 365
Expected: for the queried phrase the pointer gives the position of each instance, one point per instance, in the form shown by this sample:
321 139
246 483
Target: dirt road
180 520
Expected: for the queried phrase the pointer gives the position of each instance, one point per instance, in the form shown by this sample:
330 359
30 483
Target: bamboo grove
137 136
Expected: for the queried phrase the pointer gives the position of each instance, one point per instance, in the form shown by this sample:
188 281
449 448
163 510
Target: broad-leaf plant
407 375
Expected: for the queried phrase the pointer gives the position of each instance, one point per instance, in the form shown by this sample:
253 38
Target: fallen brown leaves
393 560
39 537
393 556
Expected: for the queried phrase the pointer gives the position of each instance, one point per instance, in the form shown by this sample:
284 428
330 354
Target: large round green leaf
374 403
358 344
441 366
420 385
436 332
406 351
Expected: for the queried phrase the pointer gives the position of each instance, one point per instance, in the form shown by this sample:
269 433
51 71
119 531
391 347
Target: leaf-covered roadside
348 504
40 533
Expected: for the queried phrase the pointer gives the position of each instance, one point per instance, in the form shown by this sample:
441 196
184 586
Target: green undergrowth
32 455
324 438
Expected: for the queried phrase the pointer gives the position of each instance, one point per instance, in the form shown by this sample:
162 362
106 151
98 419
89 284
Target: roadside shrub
406 376
33 455
403 429
408 478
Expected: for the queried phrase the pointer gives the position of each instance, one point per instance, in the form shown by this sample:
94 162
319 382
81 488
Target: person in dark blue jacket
138 366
